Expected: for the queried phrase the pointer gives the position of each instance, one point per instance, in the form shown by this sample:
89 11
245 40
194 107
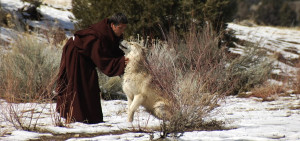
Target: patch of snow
271 38
62 18
284 41
61 4
285 68
52 16
12 5
246 118
19 135
7 34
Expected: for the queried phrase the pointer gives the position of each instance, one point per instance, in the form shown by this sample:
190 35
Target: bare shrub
249 70
191 73
3 132
54 34
28 69
22 116
57 120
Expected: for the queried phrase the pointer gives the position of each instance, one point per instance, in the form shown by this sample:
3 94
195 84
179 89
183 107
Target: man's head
118 23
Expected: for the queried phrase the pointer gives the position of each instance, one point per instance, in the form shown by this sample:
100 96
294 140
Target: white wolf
138 86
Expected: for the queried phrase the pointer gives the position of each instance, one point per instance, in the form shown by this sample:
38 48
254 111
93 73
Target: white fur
137 85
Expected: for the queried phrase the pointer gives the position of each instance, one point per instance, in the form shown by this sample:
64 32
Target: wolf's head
133 50
136 53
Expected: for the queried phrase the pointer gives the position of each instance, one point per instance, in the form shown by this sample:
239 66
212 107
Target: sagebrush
252 68
28 69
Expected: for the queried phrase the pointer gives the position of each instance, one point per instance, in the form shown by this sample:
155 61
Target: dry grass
54 35
268 92
296 84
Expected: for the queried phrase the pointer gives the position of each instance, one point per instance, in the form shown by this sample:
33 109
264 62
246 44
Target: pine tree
147 16
2 16
189 11
287 17
268 12
88 12
219 12
276 12
150 17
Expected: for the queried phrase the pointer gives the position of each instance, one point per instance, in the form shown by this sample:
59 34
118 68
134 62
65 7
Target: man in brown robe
78 93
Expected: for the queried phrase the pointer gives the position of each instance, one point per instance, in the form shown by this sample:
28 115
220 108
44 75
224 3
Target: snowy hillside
53 16
244 118
274 40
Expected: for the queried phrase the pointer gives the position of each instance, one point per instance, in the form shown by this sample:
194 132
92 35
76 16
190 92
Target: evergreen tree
287 17
2 16
219 12
187 12
147 16
88 12
276 12
268 12
150 17
244 10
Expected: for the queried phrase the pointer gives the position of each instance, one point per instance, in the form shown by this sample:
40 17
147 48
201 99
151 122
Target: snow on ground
115 118
51 16
285 41
275 39
7 34
246 118
61 4
12 5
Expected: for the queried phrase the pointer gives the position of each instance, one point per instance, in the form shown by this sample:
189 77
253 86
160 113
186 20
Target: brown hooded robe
78 90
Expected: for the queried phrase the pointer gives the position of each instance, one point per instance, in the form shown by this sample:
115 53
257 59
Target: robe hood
100 30
103 29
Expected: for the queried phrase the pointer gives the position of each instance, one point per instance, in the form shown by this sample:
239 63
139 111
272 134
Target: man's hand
126 60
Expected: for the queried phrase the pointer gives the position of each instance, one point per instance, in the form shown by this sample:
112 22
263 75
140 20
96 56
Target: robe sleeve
107 59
